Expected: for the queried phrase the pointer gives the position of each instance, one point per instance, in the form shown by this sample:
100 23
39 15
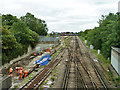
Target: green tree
8 20
24 35
35 24
10 47
18 34
105 36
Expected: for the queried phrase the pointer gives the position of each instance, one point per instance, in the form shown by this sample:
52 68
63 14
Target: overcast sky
62 15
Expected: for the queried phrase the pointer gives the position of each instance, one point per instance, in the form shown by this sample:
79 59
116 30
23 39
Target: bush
15 86
52 78
118 79
54 74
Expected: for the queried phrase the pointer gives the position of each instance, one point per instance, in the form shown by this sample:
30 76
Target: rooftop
116 49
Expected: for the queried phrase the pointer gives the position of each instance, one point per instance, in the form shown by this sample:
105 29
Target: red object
34 54
11 72
21 68
25 73
48 50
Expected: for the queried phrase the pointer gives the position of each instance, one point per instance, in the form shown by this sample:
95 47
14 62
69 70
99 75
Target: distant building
115 59
67 34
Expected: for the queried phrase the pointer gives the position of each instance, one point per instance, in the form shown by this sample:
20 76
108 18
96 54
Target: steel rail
38 73
66 76
49 71
86 69
40 76
106 86
67 71
78 72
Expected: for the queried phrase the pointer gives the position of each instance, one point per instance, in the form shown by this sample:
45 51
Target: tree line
106 35
20 33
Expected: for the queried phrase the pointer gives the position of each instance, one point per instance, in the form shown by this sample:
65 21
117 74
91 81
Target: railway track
83 77
93 70
81 71
68 71
72 77
85 74
53 51
37 80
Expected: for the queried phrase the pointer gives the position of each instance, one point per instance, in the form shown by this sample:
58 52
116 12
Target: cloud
62 15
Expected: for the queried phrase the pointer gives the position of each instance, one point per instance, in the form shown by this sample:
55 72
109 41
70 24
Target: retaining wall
5 82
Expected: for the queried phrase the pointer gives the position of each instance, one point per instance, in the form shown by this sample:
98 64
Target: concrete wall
6 82
115 60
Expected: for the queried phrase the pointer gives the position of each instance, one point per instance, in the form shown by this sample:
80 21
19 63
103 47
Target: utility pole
54 40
